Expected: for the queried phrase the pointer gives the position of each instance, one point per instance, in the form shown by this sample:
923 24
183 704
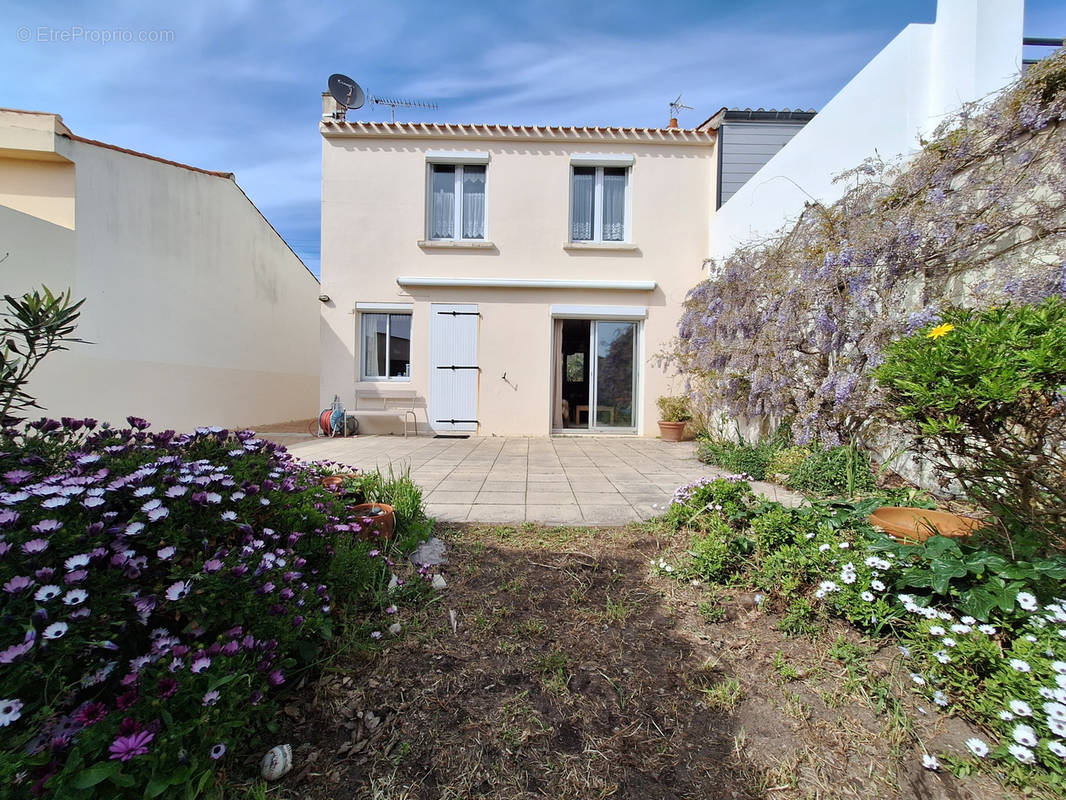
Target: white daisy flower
957 628
988 630
940 698
1059 667
1021 708
1058 748
877 586
46 593
10 711
936 630
1005 715
918 679
822 548
942 657
969 621
930 762
947 641
1022 754
1027 601
1020 666
1024 734
977 747
1055 711
867 596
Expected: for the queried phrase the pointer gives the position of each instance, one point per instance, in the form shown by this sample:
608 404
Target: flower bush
791 326
984 395
156 591
983 637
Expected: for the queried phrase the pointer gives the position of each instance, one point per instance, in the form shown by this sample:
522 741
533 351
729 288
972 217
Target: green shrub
727 497
983 392
674 409
773 528
801 619
784 570
744 459
839 471
786 460
712 557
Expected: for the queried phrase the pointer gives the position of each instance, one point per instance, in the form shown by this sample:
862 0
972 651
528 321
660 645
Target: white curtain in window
614 205
374 329
442 210
582 203
473 202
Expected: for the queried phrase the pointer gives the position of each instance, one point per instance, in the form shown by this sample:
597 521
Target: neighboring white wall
928 71
373 216
197 311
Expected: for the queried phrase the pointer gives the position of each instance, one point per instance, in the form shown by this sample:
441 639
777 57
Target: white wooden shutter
453 367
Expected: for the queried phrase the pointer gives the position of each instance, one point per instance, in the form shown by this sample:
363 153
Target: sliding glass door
614 375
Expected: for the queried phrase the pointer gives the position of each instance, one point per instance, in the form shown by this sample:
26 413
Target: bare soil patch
557 665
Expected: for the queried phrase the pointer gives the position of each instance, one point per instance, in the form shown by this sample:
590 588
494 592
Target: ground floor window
386 347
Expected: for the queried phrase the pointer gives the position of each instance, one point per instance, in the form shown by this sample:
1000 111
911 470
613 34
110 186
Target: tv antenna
677 106
350 95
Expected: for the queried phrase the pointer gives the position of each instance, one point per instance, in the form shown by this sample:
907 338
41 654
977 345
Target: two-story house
520 280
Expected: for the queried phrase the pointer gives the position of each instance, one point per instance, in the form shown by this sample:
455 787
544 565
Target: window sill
623 246
456 244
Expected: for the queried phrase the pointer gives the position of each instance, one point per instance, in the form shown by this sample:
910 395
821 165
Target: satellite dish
346 91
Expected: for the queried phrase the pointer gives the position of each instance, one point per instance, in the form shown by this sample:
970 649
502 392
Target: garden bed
575 670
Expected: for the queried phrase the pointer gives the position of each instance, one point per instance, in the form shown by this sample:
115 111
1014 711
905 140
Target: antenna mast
676 107
393 102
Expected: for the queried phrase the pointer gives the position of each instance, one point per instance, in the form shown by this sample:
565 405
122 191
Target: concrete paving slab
576 480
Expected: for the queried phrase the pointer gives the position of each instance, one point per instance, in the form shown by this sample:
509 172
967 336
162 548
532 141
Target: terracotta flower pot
915 525
672 431
375 525
333 482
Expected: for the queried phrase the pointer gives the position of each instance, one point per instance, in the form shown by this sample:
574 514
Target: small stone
395 629
432 552
439 582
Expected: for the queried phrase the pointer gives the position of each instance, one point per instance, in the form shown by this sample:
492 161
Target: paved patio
608 480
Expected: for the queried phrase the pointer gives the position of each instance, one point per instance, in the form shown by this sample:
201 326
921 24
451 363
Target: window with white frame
386 347
599 203
456 201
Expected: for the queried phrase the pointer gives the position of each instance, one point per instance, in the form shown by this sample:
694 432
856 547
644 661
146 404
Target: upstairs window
599 200
457 201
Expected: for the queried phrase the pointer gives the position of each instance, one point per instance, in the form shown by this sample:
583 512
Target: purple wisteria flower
126 747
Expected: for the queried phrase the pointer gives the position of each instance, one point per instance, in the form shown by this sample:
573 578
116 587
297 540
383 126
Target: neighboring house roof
758 115
96 143
338 127
65 132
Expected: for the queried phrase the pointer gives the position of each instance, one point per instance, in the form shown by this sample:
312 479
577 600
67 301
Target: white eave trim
457 157
525 283
601 160
599 312
372 307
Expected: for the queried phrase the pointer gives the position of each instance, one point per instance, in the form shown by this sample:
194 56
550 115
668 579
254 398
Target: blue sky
235 86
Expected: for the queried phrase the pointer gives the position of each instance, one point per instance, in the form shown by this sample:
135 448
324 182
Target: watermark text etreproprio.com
77 33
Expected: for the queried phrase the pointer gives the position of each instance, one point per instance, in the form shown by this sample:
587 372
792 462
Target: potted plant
674 415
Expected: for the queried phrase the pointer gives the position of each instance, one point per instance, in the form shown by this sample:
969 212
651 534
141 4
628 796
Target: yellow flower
940 330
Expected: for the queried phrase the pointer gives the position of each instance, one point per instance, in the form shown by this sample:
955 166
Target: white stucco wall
197 311
928 71
373 217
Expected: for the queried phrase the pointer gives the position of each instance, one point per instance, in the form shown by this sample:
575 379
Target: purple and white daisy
76 562
1021 708
1020 666
10 711
34 546
218 751
75 597
1022 754
126 747
210 698
1027 601
177 590
19 583
1025 735
47 526
46 593
55 631
55 502
166 553
156 514
200 663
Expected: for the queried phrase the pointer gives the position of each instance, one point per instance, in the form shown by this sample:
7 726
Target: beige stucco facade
525 274
196 311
